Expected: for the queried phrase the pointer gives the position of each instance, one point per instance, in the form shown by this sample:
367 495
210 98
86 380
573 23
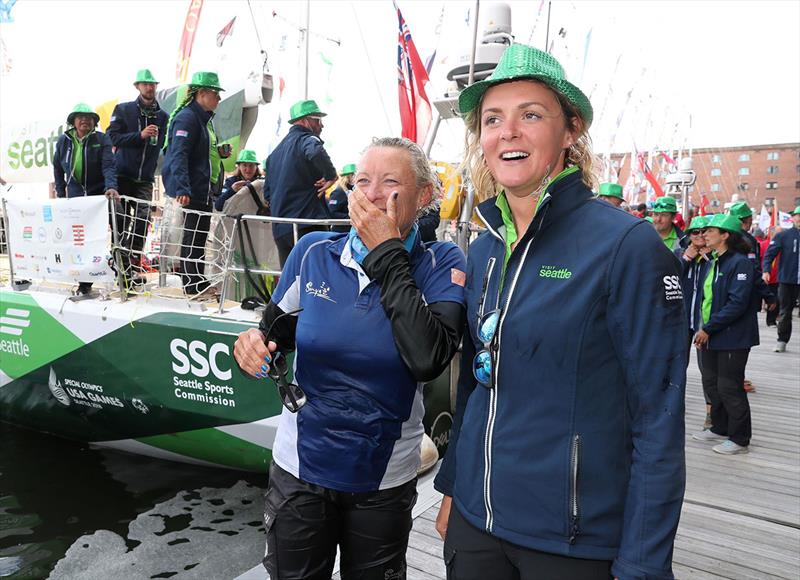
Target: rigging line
371 68
255 27
336 41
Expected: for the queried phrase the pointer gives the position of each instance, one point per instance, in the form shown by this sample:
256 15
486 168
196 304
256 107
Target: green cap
795 211
648 219
698 223
247 156
145 76
82 109
304 109
206 80
520 62
740 210
348 169
725 221
665 204
611 190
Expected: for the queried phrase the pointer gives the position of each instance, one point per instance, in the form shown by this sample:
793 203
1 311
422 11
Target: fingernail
267 358
263 368
259 376
395 194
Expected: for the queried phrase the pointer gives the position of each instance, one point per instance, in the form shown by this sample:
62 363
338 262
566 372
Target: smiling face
385 170
696 238
523 135
83 124
147 91
662 221
248 170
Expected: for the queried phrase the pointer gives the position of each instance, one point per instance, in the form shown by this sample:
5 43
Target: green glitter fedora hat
518 62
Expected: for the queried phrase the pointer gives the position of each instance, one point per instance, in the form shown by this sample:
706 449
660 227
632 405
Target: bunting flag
187 40
415 108
703 203
226 31
648 175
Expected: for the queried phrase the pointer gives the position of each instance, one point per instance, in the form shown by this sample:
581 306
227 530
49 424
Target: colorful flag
415 108
187 40
703 203
648 175
226 31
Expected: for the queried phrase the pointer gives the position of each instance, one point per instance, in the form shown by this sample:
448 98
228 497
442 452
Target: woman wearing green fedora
726 308
566 456
247 171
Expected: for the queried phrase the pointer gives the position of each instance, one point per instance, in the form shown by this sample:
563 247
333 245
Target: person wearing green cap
567 444
664 211
786 246
247 171
137 130
726 309
300 173
187 172
337 202
612 193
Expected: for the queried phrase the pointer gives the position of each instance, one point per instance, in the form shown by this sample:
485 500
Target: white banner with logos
60 240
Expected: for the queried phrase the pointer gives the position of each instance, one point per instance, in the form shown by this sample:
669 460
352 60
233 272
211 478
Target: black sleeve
283 332
427 335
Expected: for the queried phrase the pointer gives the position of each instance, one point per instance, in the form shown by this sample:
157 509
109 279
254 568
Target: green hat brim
207 86
311 114
71 117
795 211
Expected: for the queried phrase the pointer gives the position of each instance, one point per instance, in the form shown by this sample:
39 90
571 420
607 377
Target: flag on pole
648 175
703 203
415 108
187 40
226 31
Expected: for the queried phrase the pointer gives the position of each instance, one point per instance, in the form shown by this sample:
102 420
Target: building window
798 169
772 185
715 159
797 184
716 172
744 186
744 171
772 169
744 157
772 156
715 187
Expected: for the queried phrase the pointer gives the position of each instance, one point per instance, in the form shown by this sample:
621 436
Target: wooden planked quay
741 514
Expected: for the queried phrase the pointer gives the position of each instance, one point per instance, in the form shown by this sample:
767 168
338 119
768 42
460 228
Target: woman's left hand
701 338
374 226
238 185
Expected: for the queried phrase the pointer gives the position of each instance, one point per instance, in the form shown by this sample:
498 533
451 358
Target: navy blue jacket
787 245
754 255
293 167
99 171
226 192
136 158
579 448
338 208
691 279
735 302
187 163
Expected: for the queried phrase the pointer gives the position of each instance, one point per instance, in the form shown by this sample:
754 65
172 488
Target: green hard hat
740 210
145 76
698 223
206 80
82 109
611 190
725 221
348 169
247 156
304 109
795 211
665 204
518 62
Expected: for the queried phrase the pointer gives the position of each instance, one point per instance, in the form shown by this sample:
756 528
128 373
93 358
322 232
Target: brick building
757 173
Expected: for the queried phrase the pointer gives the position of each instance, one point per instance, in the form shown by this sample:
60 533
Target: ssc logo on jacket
672 289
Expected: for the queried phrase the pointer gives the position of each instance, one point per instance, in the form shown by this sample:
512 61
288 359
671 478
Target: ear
426 196
573 132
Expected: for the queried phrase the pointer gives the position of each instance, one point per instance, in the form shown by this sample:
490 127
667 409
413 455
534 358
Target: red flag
703 203
187 40
774 219
225 32
648 175
415 108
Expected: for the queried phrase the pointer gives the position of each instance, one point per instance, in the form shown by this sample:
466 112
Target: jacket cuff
379 260
443 484
625 570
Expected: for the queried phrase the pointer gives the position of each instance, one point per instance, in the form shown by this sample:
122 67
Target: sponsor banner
62 240
27 152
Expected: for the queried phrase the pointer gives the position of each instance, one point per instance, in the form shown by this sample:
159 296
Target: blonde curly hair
580 153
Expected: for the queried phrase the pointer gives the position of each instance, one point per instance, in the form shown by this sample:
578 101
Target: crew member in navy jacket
786 244
137 130
566 456
727 308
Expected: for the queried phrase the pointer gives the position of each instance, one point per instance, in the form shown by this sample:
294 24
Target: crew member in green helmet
612 193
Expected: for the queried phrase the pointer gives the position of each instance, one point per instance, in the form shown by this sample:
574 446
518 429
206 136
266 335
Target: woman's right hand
252 354
443 516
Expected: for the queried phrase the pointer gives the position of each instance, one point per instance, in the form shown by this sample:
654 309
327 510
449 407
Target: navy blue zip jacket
787 245
691 279
754 255
735 302
99 171
136 158
579 449
187 163
293 167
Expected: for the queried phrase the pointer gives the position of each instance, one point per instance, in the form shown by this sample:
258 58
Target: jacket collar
142 107
301 129
204 115
340 248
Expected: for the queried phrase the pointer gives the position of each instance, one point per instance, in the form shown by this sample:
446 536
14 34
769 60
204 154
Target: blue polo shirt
361 426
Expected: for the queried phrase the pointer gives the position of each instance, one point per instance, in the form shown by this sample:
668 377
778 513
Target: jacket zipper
486 278
71 172
144 149
575 459
493 393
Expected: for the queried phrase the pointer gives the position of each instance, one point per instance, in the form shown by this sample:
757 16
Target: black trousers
193 247
286 243
689 357
772 315
787 298
723 385
306 522
133 219
473 554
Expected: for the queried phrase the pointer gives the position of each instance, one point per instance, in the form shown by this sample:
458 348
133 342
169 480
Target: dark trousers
787 298
772 315
689 357
193 247
133 219
723 380
473 554
286 243
306 522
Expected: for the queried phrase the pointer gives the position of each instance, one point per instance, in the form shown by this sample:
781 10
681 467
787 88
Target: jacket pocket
574 475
